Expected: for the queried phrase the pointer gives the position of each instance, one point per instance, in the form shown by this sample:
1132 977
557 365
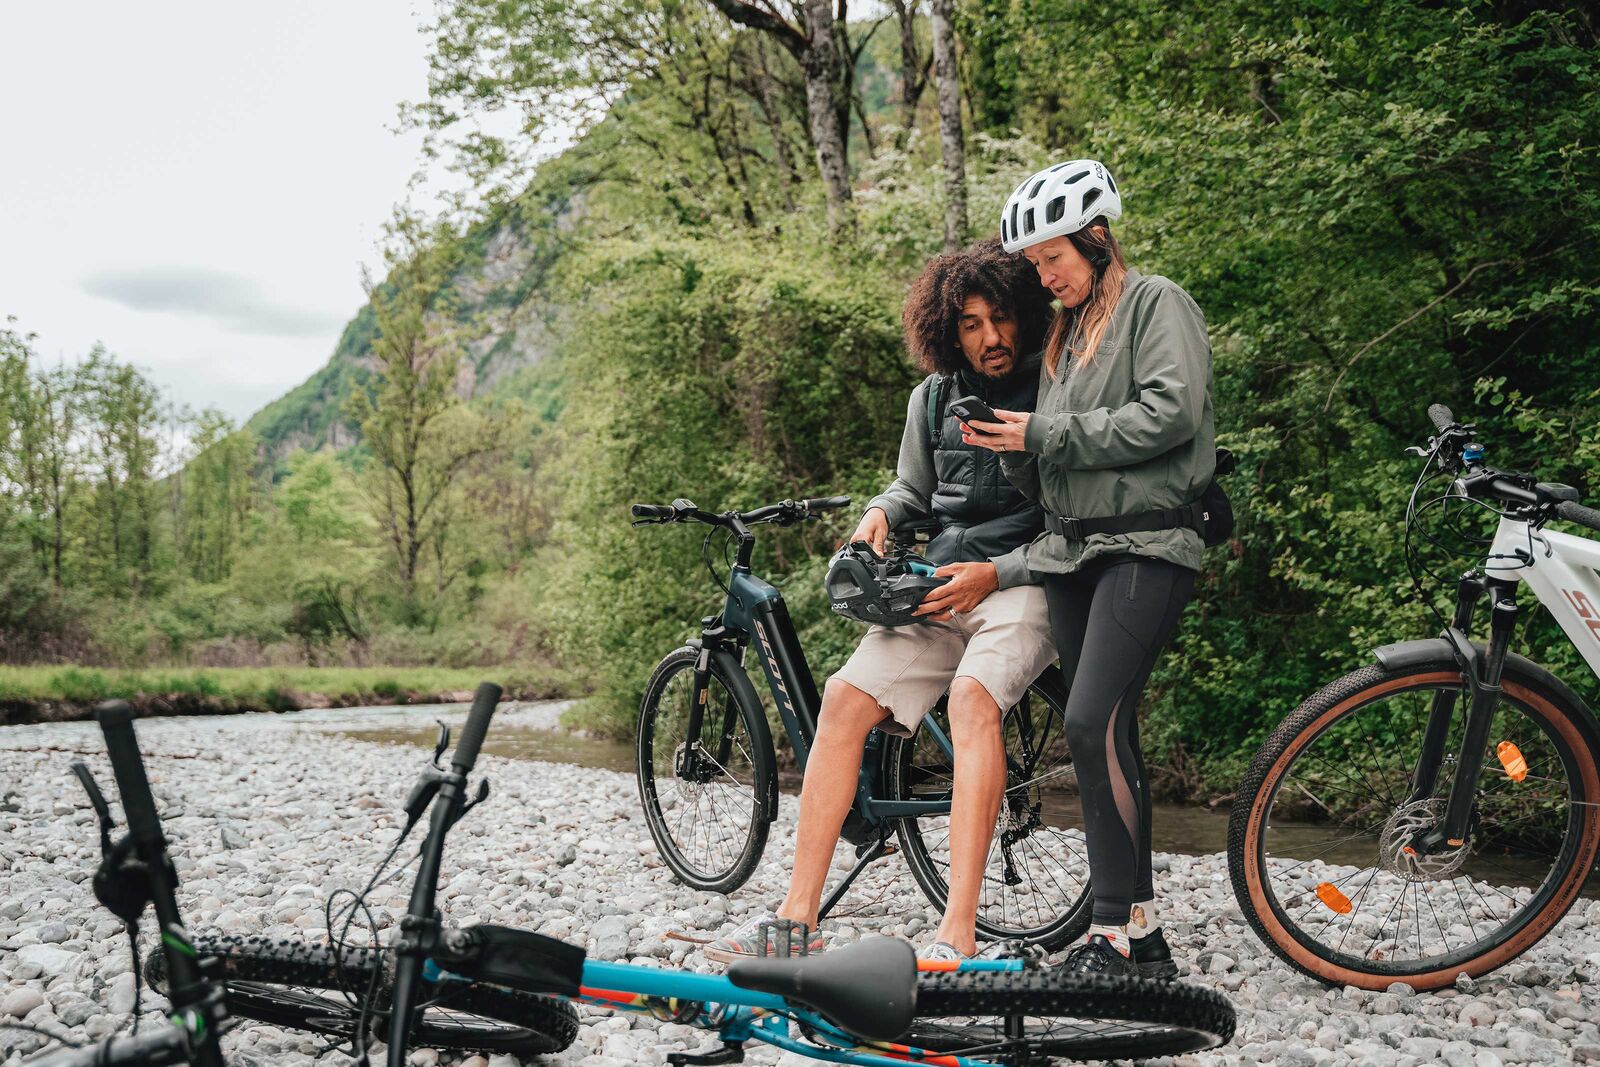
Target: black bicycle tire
1066 928
1533 923
268 980
764 769
1183 1018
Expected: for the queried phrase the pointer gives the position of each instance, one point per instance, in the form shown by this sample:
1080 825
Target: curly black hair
933 307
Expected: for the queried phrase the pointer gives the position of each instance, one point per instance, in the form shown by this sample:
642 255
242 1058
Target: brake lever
98 800
483 794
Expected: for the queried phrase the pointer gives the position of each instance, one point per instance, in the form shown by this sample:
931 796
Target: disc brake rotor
1396 854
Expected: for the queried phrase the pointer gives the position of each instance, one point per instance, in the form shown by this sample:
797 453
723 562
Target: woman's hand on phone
1004 436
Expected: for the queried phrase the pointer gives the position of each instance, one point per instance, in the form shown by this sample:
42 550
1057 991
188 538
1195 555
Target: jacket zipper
1066 490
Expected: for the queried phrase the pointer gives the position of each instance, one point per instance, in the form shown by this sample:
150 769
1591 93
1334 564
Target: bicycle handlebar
483 704
138 805
1442 417
784 512
154 1049
1575 512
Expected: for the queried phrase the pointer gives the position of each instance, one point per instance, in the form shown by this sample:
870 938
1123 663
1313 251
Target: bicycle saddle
868 989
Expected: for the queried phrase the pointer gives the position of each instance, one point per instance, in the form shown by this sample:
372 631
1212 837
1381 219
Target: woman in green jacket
1118 450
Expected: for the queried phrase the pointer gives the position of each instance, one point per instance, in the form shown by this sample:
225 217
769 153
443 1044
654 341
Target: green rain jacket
1131 432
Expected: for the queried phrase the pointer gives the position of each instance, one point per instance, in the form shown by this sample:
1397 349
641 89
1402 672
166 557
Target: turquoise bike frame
713 1003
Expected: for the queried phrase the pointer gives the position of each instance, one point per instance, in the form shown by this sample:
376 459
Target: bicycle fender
1403 655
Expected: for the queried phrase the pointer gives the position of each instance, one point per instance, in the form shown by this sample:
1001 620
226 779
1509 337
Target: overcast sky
197 184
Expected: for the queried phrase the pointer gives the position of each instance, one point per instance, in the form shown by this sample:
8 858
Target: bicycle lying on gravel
492 988
1437 813
708 771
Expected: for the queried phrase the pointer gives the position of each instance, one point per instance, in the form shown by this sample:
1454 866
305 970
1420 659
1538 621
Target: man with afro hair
975 321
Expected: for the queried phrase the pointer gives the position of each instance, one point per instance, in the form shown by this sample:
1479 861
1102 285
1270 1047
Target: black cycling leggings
1111 621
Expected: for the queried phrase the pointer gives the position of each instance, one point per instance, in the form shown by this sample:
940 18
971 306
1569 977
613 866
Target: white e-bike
1437 812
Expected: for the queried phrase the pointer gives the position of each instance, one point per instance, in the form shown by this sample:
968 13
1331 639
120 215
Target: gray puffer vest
981 514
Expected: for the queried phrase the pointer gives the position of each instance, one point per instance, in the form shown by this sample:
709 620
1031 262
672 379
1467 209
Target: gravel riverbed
267 814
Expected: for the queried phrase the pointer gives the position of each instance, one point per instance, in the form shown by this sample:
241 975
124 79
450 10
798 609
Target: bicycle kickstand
730 1052
865 855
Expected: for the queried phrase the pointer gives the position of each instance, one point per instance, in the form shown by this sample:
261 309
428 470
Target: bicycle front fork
1482 670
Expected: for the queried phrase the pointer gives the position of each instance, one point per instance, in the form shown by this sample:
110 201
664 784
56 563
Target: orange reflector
1329 894
1511 759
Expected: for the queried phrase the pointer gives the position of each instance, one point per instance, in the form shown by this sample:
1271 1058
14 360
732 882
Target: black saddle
868 989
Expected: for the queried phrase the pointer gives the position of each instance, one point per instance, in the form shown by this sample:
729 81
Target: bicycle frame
755 607
1560 569
737 1015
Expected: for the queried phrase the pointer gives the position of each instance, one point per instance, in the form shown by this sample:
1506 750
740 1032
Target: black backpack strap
936 398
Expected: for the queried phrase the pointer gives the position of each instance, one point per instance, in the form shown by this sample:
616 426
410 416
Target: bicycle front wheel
1016 1016
1036 876
1319 839
708 792
301 986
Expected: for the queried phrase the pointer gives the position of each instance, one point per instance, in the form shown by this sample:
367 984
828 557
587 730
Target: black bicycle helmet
866 587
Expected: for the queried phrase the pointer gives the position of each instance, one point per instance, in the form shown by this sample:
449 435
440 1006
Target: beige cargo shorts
1003 644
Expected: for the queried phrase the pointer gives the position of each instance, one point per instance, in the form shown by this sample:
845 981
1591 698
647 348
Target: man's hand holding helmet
969 584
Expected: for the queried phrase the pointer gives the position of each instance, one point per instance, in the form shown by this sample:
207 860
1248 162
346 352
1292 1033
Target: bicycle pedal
781 934
730 1052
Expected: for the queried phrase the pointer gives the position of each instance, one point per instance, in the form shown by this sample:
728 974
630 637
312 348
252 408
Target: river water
534 733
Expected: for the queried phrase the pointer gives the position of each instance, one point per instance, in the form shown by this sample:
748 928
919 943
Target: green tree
213 496
422 440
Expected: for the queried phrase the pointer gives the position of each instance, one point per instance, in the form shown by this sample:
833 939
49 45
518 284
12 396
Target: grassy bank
50 693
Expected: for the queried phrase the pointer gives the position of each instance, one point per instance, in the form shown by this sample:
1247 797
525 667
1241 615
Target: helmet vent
1112 182
1013 221
1055 209
1090 197
1036 187
1076 178
1027 221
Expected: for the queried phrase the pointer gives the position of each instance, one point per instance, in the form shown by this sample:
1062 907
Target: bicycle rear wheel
1317 843
303 987
706 798
1019 1016
1036 879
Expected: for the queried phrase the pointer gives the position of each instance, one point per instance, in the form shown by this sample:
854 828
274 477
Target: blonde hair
1081 329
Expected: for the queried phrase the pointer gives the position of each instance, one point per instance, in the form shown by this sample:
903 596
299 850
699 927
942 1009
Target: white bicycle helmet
1057 201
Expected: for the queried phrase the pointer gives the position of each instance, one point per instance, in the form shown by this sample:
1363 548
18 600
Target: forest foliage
1377 206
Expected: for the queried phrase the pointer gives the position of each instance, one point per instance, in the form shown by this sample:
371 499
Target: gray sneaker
941 952
744 940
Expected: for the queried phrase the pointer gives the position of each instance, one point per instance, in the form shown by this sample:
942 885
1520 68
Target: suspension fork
1451 832
1469 590
689 762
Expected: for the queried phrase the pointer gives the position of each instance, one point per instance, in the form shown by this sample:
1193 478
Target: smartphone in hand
969 409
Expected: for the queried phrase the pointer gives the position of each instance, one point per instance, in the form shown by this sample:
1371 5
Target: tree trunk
823 108
913 72
951 142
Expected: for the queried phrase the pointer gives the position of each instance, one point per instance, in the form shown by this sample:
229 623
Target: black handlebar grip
826 502
116 722
1441 416
472 734
1573 511
652 511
